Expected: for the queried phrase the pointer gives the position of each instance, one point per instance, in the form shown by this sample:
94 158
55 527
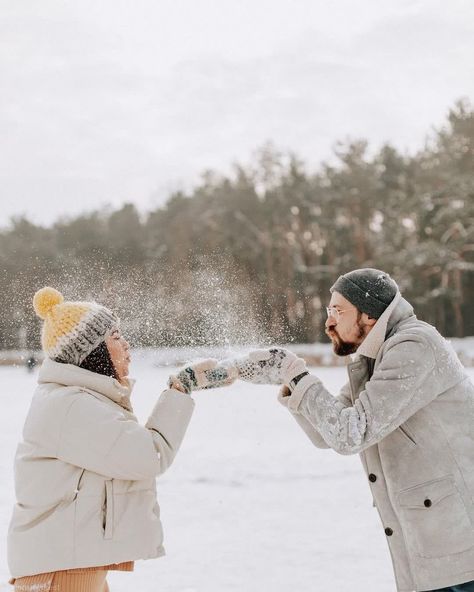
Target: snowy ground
249 504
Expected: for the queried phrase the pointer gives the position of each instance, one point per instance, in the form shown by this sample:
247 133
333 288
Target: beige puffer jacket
85 473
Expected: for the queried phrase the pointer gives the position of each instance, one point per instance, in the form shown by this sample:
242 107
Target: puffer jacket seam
60 439
74 533
76 399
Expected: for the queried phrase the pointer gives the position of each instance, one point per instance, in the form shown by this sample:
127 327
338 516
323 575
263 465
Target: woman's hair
98 361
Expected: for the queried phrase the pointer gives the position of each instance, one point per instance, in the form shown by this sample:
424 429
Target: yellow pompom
45 299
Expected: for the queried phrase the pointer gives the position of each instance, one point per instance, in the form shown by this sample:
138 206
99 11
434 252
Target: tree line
250 256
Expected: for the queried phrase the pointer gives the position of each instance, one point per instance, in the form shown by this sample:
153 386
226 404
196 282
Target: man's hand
270 366
203 375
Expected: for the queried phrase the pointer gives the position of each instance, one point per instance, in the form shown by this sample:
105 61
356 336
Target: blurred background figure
31 362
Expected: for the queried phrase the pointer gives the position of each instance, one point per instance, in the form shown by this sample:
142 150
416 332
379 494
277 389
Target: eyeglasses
334 312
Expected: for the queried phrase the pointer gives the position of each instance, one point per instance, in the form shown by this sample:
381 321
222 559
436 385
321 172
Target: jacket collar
397 310
71 375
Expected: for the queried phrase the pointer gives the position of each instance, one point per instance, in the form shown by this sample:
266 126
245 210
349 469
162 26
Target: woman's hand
270 366
206 374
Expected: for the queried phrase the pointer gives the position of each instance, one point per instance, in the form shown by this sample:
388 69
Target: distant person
31 363
85 470
407 410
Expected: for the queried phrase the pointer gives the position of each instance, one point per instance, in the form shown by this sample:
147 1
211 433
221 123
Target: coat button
388 531
372 478
427 503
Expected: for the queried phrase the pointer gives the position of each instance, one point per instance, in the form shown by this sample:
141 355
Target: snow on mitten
270 366
203 375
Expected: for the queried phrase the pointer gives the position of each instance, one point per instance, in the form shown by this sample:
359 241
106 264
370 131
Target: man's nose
330 322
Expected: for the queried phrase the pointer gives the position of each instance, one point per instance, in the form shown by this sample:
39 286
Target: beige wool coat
85 473
408 411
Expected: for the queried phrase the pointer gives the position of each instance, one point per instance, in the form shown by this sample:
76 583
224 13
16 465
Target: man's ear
369 320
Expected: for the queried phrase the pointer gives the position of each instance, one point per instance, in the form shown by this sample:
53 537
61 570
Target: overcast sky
113 101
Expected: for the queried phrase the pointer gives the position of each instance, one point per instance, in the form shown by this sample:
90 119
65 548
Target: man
407 410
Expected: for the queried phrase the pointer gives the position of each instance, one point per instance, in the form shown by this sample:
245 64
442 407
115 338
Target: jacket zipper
76 491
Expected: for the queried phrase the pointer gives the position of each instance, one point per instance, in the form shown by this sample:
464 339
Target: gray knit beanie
369 290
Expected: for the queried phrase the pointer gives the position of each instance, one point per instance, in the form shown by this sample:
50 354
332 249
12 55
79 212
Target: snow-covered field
249 504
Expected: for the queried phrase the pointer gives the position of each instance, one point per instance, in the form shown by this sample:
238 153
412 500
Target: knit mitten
272 366
206 374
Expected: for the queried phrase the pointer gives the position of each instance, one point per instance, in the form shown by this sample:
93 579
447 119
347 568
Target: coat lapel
358 376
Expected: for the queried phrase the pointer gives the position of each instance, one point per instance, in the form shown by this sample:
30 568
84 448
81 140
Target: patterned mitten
269 366
203 375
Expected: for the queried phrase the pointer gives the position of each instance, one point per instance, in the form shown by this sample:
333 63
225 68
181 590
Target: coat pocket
404 430
108 510
435 519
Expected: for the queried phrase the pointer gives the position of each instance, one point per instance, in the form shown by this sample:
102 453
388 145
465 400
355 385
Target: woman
85 469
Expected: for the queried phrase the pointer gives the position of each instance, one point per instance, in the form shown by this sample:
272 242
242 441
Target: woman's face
119 351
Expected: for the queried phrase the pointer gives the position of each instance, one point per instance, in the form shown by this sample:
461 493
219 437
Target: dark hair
98 361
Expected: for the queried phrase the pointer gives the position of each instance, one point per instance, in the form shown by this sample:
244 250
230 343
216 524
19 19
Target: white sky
113 101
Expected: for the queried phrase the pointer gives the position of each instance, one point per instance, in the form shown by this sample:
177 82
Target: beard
345 348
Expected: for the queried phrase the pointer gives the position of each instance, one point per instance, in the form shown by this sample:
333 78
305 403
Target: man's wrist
294 381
